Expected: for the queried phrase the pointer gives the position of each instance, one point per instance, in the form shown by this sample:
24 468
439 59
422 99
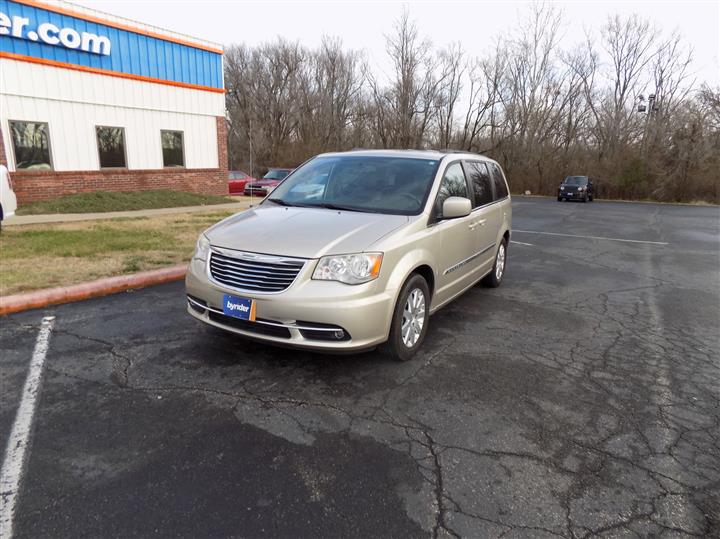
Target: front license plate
242 308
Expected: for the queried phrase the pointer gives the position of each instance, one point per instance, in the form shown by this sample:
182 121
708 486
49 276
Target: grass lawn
104 201
43 256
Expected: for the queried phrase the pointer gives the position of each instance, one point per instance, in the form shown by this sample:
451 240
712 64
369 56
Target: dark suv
576 188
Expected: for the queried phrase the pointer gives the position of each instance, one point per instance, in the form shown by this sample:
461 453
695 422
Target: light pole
649 112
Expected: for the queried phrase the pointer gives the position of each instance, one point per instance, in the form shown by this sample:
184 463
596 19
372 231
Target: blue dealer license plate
242 308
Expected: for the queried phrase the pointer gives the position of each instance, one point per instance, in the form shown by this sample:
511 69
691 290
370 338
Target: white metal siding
34 80
73 103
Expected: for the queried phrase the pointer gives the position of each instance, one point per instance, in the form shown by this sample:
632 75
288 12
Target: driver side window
453 184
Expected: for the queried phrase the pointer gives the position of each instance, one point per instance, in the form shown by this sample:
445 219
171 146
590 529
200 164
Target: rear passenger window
500 185
453 184
481 183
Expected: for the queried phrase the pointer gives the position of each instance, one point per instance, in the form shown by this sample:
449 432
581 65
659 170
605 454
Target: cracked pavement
581 398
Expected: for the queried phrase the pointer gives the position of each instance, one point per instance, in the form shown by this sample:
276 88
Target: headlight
202 248
349 269
562 188
582 188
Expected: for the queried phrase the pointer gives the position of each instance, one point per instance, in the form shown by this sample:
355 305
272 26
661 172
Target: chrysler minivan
355 250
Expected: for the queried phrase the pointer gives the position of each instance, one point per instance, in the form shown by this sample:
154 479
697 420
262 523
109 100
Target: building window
172 148
31 143
111 147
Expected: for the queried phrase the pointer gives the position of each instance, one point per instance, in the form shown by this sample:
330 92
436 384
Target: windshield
393 185
276 174
575 180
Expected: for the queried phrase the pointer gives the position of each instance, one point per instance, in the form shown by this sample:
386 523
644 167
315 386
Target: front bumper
305 315
577 195
258 191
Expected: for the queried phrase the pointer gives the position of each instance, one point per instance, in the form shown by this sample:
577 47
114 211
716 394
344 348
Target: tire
585 199
397 347
559 199
494 278
591 198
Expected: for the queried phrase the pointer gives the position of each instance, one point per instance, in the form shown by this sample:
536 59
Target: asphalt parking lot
580 398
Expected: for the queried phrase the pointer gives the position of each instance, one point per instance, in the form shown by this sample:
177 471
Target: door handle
475 224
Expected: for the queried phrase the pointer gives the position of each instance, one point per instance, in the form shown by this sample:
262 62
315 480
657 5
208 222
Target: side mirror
454 207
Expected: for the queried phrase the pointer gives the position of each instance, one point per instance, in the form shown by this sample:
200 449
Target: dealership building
90 101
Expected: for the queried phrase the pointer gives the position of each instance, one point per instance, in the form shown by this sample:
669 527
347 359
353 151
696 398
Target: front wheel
494 278
559 199
410 320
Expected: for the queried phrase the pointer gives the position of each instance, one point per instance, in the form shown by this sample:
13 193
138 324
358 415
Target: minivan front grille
254 272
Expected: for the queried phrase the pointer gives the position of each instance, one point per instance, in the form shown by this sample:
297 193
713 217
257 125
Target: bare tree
452 71
541 107
412 93
630 45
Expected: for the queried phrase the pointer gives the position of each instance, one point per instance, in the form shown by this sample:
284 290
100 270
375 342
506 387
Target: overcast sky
362 25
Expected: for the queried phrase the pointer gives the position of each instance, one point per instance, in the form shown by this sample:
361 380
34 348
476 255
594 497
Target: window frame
182 145
434 218
472 188
504 179
97 145
14 152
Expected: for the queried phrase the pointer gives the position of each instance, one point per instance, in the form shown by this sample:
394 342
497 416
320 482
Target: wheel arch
427 273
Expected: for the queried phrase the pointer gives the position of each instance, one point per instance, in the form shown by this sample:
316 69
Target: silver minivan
355 250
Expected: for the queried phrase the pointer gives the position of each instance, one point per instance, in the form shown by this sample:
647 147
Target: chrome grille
254 272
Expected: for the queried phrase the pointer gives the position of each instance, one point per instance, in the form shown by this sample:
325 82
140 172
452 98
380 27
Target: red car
268 182
237 180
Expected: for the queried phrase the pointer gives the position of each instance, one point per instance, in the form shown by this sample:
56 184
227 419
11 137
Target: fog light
339 334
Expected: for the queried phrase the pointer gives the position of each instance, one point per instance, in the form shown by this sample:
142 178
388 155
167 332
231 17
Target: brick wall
31 186
221 124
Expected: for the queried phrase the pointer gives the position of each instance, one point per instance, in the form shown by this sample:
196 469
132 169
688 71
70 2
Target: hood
302 232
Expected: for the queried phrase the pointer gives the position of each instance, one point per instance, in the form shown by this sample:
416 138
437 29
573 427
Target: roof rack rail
452 150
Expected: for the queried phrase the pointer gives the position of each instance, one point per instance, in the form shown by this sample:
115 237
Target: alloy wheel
413 317
500 262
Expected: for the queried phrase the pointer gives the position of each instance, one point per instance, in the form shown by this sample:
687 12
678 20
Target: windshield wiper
280 202
340 207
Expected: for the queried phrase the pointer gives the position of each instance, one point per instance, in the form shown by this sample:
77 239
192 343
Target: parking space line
589 237
522 243
19 441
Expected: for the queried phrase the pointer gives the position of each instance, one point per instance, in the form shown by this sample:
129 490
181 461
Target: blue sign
241 308
43 34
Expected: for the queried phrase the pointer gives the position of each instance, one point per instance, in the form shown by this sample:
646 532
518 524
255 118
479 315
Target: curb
93 289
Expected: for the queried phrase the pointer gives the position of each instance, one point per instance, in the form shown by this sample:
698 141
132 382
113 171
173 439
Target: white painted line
522 243
19 441
589 237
